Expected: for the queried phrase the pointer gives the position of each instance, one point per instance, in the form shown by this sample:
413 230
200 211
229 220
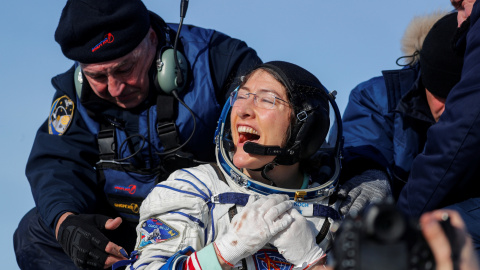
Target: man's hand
464 8
440 245
363 189
253 227
81 238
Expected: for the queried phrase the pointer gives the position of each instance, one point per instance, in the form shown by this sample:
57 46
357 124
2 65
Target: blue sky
342 42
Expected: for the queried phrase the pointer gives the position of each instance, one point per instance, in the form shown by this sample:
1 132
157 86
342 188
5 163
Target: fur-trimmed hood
415 34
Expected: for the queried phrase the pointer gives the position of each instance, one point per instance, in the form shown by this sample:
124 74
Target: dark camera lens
385 224
389 226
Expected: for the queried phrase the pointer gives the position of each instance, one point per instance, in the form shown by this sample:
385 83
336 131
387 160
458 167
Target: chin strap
268 167
265 169
258 149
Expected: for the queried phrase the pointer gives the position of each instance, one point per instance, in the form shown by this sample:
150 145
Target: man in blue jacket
446 173
387 117
137 105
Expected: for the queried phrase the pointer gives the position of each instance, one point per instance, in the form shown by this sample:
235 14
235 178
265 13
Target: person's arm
230 58
175 220
367 129
61 173
60 168
447 171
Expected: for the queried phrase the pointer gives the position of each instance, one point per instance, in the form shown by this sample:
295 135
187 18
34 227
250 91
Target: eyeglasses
261 99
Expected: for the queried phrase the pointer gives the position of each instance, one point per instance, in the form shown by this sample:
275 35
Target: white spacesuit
194 207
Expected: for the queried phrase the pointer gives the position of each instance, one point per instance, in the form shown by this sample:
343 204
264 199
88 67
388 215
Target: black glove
82 240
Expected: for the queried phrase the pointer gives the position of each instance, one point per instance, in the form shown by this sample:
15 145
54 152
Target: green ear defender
78 80
167 71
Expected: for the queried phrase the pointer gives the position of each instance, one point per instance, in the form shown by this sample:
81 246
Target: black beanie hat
93 31
309 99
440 64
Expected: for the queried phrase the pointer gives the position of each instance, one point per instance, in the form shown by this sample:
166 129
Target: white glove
361 190
297 242
253 227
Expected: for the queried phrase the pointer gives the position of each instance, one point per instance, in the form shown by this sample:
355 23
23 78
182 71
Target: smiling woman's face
262 126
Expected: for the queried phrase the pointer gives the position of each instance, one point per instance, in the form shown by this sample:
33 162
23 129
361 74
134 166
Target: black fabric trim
106 142
166 127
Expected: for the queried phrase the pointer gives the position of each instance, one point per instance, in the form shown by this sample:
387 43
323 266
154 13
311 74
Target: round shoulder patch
61 115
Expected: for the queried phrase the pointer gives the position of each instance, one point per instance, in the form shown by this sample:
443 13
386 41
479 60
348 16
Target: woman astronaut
266 204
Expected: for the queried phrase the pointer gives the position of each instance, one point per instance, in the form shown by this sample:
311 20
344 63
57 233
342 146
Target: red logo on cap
108 39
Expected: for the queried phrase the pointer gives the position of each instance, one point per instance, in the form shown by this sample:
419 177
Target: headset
172 66
172 71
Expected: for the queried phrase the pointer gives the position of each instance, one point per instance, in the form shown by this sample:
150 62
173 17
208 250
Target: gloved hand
253 227
81 238
297 242
363 189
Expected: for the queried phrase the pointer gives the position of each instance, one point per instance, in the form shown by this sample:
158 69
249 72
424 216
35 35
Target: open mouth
247 134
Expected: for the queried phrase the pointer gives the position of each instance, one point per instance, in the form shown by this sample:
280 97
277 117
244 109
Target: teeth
244 129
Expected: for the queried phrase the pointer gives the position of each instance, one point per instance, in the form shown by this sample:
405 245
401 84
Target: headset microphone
183 8
258 149
183 12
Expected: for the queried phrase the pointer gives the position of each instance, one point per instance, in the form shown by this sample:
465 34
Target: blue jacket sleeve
367 127
60 167
447 171
230 58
